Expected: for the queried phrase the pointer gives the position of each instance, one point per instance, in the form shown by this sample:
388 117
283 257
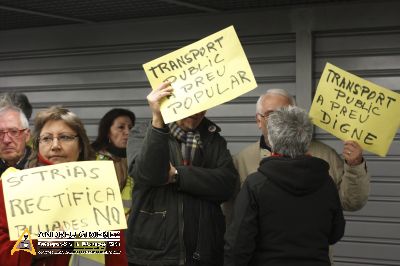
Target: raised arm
147 150
349 174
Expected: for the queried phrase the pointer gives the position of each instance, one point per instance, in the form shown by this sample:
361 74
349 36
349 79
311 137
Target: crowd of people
187 201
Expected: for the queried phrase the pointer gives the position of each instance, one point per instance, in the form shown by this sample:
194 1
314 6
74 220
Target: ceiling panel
15 14
16 20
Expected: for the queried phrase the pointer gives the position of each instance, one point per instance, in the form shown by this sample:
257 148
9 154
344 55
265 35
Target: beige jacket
353 182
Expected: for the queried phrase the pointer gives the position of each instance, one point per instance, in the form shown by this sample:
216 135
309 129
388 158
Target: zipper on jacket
175 149
182 255
164 213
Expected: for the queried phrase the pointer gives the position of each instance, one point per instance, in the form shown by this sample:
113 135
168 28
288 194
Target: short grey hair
7 105
289 131
274 91
21 101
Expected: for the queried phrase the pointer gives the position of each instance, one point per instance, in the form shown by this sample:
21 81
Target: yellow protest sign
204 74
72 197
352 108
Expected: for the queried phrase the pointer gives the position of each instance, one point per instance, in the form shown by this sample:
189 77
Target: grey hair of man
289 131
6 106
21 101
275 91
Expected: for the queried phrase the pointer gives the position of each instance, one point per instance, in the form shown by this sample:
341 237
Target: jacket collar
263 144
20 164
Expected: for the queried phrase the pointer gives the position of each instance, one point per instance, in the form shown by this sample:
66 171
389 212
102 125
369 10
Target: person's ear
28 135
259 121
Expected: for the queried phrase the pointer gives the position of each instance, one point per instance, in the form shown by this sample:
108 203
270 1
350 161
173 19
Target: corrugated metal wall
372 234
91 69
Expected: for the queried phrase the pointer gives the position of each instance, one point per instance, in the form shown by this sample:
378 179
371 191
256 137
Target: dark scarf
119 152
263 144
190 142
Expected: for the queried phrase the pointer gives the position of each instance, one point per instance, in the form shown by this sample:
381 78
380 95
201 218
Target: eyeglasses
63 139
266 114
12 132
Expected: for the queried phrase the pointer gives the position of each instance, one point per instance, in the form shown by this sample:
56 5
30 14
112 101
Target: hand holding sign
155 98
352 153
204 74
350 107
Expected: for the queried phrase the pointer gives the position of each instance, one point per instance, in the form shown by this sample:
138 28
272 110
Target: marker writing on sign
65 199
357 89
56 174
198 69
183 60
207 92
66 225
360 134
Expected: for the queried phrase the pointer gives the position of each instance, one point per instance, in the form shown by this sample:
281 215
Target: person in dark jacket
289 211
182 173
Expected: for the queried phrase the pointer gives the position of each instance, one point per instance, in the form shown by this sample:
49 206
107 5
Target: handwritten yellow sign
69 197
352 108
204 74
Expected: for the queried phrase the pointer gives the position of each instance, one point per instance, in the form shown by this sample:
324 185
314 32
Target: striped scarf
190 142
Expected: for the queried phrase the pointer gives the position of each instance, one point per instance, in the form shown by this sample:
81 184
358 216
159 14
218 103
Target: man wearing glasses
349 172
14 136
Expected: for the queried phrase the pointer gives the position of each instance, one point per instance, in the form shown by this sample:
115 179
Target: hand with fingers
172 174
154 98
352 153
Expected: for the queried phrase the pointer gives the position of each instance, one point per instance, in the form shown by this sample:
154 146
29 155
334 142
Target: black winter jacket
287 213
20 165
155 234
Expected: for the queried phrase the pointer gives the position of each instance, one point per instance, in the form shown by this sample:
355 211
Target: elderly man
182 172
349 174
288 212
19 100
14 136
